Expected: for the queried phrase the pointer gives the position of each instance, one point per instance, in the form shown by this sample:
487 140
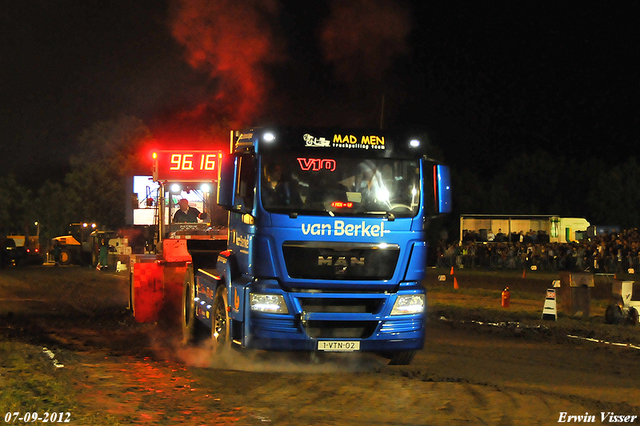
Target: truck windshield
344 186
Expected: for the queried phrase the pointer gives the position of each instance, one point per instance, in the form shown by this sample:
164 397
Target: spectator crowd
606 253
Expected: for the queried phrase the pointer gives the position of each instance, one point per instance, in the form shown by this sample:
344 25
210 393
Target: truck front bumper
337 321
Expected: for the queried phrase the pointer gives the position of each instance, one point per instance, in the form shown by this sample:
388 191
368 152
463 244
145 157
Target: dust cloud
275 362
166 343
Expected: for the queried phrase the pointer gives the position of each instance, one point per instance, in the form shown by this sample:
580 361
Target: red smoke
234 41
231 41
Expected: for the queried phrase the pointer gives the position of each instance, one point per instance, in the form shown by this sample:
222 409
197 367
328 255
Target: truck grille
330 305
340 329
340 261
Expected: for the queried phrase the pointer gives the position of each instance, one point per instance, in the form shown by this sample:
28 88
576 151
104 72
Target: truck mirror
226 182
438 192
442 183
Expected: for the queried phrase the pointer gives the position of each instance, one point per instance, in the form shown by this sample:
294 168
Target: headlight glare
409 304
271 303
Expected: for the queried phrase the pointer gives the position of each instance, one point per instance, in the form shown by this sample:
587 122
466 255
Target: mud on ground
480 365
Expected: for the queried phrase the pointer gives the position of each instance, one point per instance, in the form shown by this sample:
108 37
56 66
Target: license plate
338 346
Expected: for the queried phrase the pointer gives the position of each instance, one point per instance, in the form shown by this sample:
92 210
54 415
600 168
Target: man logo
341 263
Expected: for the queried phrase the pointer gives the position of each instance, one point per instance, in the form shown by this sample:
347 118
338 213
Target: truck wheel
191 326
220 335
402 358
633 316
613 314
66 257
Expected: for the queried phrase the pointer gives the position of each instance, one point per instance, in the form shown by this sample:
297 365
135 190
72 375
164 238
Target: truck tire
66 256
401 358
192 328
633 316
220 335
613 314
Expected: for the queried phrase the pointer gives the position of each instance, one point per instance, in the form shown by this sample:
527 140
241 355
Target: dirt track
467 374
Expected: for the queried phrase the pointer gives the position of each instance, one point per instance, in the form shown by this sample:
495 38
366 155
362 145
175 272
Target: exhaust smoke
231 41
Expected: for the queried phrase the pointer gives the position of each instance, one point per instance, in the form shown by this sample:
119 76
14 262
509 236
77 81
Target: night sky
485 80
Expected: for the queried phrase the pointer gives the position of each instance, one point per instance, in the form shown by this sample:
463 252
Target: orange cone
455 283
524 273
451 273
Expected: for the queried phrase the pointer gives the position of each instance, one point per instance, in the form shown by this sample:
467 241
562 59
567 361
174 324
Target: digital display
186 165
342 204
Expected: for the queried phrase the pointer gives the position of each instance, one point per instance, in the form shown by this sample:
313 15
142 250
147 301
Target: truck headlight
272 303
408 304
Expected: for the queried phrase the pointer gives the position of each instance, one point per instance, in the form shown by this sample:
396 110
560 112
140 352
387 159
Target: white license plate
338 346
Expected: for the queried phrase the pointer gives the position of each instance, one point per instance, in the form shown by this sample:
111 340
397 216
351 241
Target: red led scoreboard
186 165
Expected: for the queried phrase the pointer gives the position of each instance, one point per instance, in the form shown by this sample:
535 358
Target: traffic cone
455 283
524 273
451 273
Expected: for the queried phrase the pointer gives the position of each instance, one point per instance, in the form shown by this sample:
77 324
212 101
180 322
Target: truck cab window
341 185
246 180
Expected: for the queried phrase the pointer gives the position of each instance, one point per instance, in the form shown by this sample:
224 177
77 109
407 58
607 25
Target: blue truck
326 244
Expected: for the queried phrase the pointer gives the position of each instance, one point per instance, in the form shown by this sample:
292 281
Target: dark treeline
540 183
95 188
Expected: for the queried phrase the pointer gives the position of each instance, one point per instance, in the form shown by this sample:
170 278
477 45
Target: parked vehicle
21 250
76 247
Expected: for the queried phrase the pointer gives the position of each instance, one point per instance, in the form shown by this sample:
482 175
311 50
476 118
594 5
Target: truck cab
327 245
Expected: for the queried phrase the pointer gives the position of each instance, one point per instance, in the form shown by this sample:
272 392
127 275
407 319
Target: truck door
242 207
